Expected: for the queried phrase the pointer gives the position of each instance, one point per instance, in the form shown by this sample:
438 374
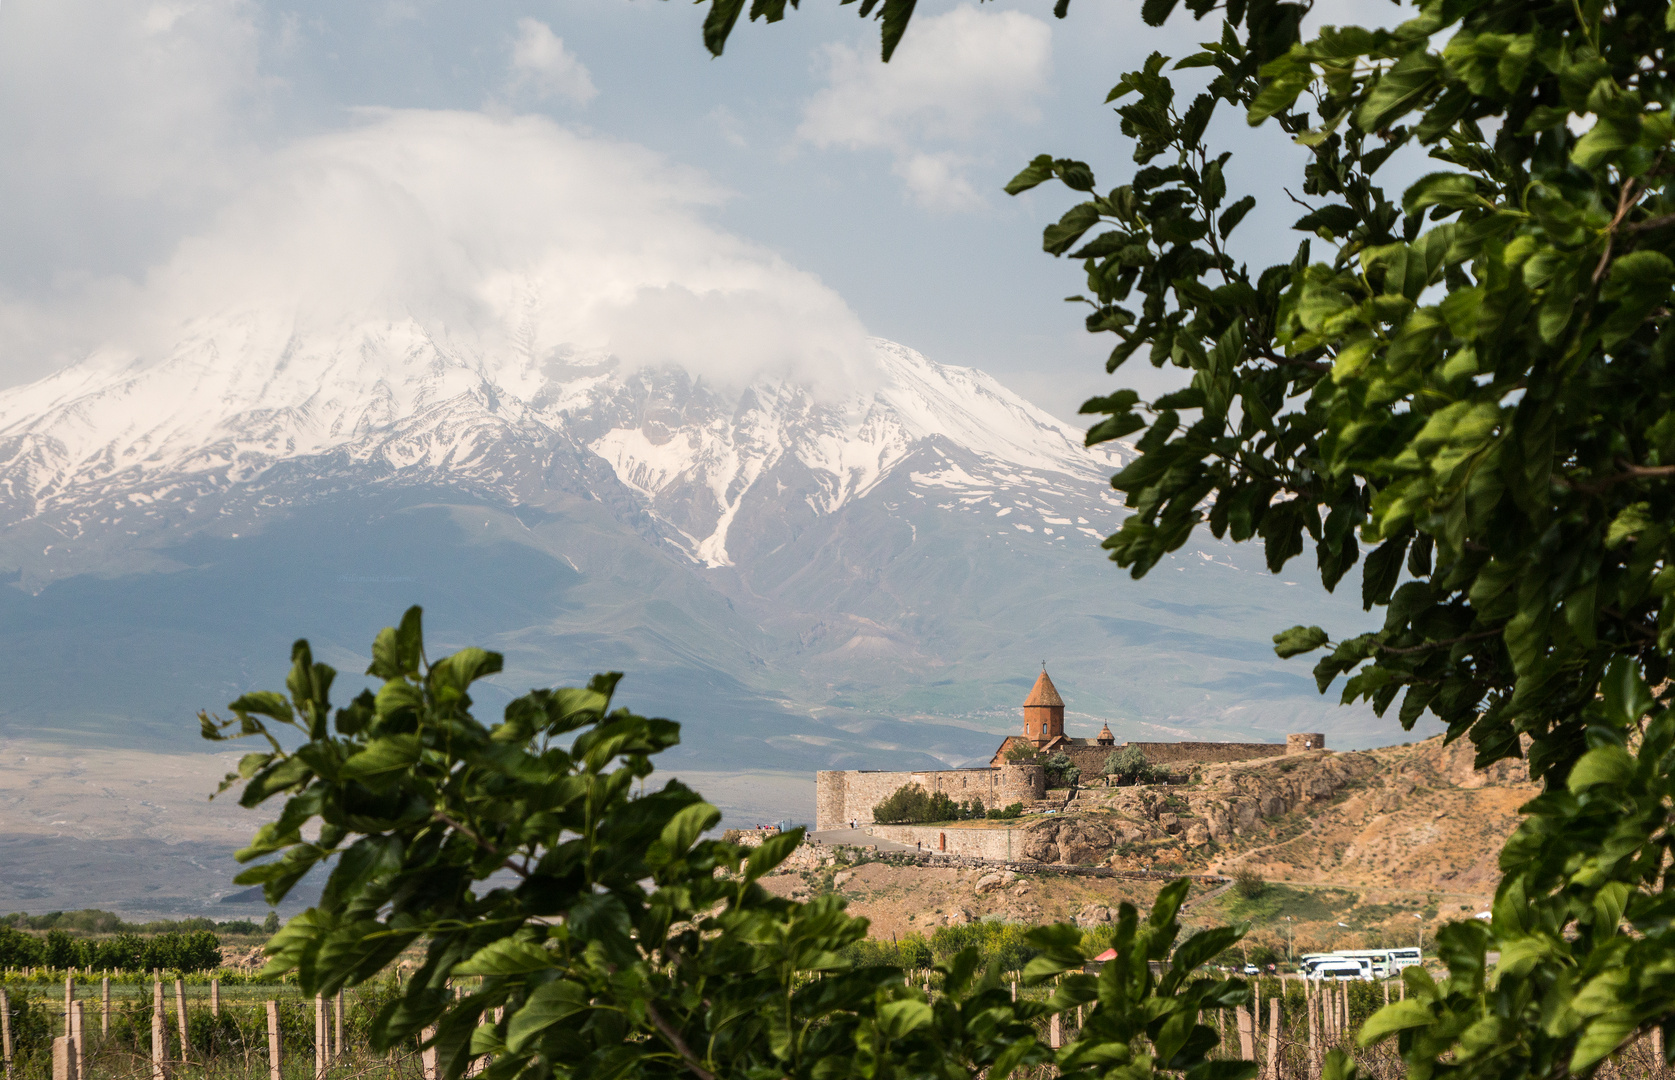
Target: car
1252 969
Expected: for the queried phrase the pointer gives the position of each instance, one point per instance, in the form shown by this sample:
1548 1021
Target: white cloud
511 237
955 76
542 67
118 121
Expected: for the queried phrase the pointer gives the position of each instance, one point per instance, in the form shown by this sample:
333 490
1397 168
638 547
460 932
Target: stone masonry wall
999 844
842 797
1206 753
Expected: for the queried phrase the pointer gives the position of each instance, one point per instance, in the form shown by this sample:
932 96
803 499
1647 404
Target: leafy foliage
1058 769
613 938
1010 812
1469 379
199 950
1131 767
911 804
1248 883
1061 771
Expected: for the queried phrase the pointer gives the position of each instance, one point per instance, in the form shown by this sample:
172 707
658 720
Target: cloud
955 77
542 67
119 121
512 238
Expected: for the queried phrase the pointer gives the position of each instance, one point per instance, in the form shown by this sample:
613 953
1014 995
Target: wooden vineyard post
63 1058
273 1040
180 1014
6 1032
1247 1037
215 997
1014 989
159 1034
427 1056
105 1007
319 1036
1053 1038
1274 1038
1309 1001
78 1041
337 1031
69 997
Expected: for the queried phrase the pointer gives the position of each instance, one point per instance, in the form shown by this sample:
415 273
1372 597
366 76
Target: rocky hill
1418 815
1352 848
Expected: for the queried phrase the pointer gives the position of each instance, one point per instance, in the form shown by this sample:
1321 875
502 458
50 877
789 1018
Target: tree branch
437 815
1267 353
674 1040
1406 650
1629 472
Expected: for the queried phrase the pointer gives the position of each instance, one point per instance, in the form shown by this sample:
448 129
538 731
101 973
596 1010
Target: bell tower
1043 711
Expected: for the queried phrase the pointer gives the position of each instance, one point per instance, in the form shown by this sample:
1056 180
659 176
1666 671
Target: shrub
1061 771
1249 884
1130 766
911 804
995 942
1015 810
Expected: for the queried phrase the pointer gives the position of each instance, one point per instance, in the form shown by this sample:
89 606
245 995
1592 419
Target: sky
759 211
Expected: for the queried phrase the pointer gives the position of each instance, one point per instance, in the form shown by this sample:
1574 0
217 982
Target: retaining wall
1003 845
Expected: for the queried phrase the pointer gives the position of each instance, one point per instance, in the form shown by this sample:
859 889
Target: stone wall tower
1043 712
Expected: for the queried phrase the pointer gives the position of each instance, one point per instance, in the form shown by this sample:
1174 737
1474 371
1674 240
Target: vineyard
227 1026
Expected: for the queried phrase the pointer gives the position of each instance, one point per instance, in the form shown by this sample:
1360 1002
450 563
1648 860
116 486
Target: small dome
1105 736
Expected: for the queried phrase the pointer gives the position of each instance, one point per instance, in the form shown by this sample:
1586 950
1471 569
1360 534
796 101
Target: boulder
989 883
840 877
1197 834
1093 915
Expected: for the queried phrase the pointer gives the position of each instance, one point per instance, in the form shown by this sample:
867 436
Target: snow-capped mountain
238 409
804 578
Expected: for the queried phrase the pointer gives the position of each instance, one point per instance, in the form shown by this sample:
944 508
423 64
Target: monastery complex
842 797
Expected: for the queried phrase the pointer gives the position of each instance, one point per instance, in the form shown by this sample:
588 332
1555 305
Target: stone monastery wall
842 797
1206 753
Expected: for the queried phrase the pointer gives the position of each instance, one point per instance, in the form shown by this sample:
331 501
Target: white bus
1384 963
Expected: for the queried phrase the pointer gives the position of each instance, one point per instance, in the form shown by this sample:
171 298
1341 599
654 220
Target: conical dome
1043 693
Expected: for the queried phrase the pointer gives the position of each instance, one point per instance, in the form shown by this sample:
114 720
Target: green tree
1061 770
1130 766
606 936
911 804
1468 378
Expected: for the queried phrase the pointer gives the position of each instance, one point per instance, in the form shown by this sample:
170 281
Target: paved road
858 838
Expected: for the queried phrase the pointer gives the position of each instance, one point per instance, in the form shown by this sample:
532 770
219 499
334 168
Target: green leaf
547 1005
1299 640
388 754
1601 765
507 956
397 652
1400 89
897 1019
1156 12
1392 1018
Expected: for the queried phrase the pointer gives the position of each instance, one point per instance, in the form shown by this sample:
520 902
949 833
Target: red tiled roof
1043 693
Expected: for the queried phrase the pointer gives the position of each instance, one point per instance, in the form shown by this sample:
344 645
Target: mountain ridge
809 577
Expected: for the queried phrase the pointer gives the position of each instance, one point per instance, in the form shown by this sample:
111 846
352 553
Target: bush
995 942
912 951
1061 771
1249 884
911 804
1015 810
1130 766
